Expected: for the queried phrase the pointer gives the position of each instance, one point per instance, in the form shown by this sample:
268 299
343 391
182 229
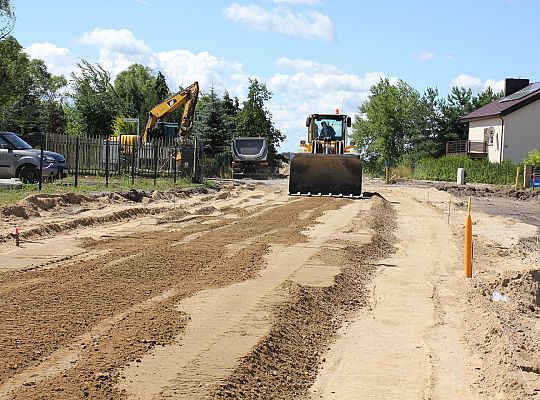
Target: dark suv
18 159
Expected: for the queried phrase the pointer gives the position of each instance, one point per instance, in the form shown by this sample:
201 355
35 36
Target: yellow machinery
186 98
189 156
327 166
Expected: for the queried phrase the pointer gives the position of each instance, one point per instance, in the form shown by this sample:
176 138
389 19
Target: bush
533 158
478 171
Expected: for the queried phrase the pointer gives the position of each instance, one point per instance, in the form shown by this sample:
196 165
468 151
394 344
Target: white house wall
522 132
476 134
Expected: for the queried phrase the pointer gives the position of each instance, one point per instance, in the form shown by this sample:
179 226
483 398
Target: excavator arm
186 98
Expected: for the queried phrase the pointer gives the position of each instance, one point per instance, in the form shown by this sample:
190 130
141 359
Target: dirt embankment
504 319
488 191
284 365
43 214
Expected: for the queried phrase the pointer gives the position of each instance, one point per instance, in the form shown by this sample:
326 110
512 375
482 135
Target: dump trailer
250 157
327 165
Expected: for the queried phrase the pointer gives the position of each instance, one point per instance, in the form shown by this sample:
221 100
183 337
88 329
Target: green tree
254 119
485 97
96 101
457 104
388 123
231 107
7 18
212 124
30 97
426 141
139 90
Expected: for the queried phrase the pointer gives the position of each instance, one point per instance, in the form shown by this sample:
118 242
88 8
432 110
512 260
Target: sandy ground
244 292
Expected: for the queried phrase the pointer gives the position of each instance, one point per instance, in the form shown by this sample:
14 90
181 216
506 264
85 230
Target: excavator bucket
326 175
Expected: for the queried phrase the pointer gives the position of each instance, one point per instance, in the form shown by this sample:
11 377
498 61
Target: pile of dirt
284 365
507 339
32 205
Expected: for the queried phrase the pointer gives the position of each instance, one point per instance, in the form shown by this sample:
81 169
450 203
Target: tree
139 90
96 102
212 124
486 97
425 142
30 97
388 123
457 104
7 18
254 119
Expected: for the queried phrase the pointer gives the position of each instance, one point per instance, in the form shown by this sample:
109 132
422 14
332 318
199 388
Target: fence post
174 161
119 169
77 149
41 161
134 149
107 144
468 242
155 161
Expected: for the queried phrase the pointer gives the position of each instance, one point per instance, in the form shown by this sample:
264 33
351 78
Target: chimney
512 85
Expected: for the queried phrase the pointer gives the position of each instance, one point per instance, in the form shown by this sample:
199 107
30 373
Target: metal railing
124 155
468 148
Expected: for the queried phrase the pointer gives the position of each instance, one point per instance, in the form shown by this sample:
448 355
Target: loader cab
331 127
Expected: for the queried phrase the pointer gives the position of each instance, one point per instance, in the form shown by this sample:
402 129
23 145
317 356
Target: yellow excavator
186 98
326 166
190 153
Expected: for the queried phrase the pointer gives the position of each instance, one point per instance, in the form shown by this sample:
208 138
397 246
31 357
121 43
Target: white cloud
424 56
314 88
311 25
476 84
183 67
496 86
59 60
118 49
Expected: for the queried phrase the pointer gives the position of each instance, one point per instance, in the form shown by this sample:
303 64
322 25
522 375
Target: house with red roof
507 128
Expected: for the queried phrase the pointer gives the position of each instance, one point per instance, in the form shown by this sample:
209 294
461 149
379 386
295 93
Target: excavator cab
327 164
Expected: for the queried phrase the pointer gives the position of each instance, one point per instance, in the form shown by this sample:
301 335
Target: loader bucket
325 175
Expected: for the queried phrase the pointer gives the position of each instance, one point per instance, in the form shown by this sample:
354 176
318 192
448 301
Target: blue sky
313 55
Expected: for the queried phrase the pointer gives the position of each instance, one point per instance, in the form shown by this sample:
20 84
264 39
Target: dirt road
244 292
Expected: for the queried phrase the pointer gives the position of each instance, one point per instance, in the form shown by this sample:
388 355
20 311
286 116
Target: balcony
466 148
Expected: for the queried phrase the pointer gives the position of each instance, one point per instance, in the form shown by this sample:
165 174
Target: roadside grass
91 185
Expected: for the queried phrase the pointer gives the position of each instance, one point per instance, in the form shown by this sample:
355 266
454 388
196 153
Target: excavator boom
186 98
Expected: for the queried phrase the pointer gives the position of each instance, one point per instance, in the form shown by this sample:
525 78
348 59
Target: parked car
19 160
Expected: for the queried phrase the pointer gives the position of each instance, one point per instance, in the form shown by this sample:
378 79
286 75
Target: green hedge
479 171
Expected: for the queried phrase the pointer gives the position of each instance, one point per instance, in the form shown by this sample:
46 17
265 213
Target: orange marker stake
468 242
17 236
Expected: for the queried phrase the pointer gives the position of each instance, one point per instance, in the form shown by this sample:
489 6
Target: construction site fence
126 156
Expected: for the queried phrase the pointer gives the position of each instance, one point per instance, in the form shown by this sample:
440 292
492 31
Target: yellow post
386 170
468 242
517 177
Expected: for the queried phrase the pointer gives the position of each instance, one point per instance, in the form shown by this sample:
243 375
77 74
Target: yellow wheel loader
327 166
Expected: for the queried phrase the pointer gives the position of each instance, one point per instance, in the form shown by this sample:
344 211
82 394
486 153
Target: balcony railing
466 148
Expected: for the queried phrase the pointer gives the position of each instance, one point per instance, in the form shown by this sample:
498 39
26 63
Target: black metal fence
127 156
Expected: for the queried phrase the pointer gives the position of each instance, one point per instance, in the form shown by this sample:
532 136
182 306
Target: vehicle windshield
329 128
15 141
